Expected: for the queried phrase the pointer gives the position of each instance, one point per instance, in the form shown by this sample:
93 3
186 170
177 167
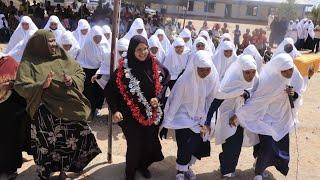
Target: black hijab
133 62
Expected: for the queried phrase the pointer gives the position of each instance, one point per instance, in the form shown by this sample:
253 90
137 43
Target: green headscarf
62 101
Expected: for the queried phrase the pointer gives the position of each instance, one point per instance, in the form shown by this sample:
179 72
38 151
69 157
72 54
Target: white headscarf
137 24
154 42
300 28
224 37
268 111
82 24
91 54
68 39
176 63
165 43
280 49
60 29
252 50
209 40
220 61
231 89
185 33
193 102
310 29
203 41
106 30
19 38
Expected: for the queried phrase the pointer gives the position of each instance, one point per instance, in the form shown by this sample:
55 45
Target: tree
315 14
288 10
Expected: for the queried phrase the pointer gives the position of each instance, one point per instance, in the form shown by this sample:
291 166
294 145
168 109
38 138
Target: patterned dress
61 145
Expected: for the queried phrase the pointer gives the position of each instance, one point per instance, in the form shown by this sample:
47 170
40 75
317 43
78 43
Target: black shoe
145 173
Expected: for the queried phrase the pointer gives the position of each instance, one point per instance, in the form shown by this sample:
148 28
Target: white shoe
180 176
257 177
190 175
230 175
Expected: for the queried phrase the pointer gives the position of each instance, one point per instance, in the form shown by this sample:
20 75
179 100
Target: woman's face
179 49
25 26
228 53
141 52
52 45
139 31
248 75
203 72
186 40
53 25
200 46
107 35
97 39
287 73
154 50
67 47
160 37
84 31
288 48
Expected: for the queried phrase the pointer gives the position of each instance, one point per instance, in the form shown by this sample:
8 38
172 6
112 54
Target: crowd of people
202 84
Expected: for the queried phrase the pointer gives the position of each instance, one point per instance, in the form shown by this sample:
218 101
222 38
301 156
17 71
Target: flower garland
154 114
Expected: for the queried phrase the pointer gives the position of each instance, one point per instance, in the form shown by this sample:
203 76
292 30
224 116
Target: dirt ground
304 148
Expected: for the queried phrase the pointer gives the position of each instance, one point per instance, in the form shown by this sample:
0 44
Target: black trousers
143 146
230 152
316 43
299 44
93 91
272 153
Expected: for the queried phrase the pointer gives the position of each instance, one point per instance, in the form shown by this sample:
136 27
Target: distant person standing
246 38
237 34
225 28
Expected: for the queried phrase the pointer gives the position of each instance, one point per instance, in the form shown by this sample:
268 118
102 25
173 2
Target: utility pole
115 34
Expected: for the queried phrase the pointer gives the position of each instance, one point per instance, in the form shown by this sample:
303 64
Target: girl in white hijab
93 53
155 48
292 31
186 111
309 31
206 36
235 89
82 31
177 59
300 34
283 48
252 50
185 34
137 28
165 43
270 112
224 37
224 57
54 25
107 33
20 37
70 44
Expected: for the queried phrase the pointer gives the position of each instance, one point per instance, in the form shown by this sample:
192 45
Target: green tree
315 14
288 10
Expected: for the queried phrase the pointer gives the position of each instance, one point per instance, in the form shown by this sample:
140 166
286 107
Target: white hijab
203 41
186 33
220 61
91 54
197 99
60 29
106 30
165 43
231 89
82 24
137 24
19 38
154 42
176 63
252 50
311 29
224 37
300 28
268 111
280 49
68 39
209 41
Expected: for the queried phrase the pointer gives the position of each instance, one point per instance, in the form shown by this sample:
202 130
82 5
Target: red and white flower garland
154 114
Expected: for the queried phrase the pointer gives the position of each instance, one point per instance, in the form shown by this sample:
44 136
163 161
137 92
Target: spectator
225 28
237 34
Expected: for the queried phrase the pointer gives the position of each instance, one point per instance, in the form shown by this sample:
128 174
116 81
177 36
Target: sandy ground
307 138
